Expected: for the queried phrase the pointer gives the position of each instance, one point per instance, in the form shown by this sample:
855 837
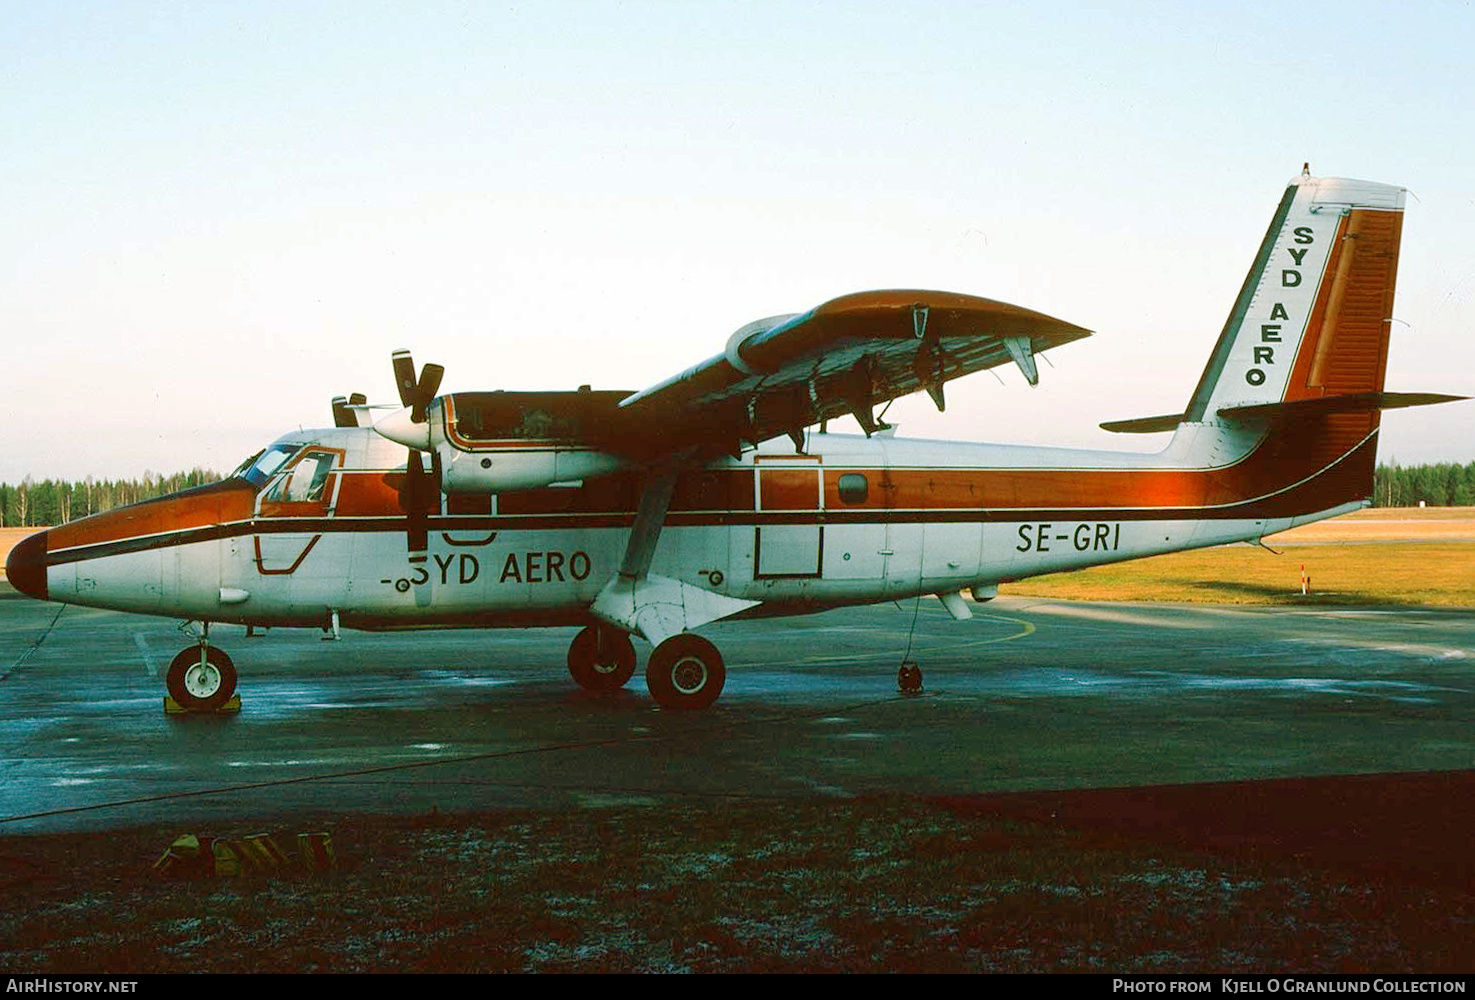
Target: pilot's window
853 488
263 465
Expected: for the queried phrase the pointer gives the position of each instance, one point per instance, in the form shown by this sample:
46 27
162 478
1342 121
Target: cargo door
789 536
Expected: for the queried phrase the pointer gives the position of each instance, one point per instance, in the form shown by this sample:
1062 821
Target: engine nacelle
493 441
492 470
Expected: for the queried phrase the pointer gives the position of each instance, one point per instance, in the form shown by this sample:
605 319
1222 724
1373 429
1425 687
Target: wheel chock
191 856
182 859
317 851
227 861
909 678
262 854
231 707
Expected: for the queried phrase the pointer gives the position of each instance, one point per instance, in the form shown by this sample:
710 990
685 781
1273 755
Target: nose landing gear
201 678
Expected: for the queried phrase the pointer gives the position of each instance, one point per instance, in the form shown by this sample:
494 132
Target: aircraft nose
25 567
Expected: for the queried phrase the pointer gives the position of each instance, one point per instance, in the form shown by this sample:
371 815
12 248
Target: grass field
1423 556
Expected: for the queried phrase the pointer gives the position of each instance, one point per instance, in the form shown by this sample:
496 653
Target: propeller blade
415 393
344 414
425 391
419 497
404 376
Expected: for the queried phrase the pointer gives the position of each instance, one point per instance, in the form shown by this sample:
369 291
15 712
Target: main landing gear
601 659
684 672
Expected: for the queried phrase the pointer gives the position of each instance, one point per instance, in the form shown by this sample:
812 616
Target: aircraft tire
584 659
201 686
685 672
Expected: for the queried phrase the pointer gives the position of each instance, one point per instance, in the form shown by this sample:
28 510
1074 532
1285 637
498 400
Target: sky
216 217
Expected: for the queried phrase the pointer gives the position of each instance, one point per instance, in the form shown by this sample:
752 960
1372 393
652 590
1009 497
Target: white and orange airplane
709 496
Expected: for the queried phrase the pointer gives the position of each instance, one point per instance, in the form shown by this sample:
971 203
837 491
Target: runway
1029 695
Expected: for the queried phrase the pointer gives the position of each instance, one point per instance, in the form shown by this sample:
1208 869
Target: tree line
48 502
1443 485
51 501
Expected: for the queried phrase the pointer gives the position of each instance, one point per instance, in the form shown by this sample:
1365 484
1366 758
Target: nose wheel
201 678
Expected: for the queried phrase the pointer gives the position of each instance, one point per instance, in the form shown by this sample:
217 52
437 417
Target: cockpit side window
306 481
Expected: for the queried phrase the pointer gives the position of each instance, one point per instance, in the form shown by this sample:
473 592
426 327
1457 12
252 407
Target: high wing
782 374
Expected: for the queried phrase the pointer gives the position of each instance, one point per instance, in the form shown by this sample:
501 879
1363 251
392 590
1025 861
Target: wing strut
650 518
652 606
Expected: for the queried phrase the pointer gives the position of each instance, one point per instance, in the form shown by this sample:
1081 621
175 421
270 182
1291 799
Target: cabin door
291 511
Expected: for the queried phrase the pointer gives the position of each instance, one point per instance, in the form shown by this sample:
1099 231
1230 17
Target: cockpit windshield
263 465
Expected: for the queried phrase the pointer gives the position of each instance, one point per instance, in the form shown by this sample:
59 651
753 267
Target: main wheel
201 679
685 672
601 659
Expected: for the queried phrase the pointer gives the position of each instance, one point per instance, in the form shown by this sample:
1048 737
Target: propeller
343 413
415 393
419 496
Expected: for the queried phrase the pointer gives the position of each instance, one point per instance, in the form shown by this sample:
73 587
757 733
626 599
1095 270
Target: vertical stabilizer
1312 317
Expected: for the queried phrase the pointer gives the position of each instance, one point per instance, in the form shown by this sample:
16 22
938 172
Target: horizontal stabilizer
1144 425
1358 402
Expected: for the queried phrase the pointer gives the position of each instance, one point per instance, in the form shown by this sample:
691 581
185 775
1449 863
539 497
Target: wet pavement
1029 695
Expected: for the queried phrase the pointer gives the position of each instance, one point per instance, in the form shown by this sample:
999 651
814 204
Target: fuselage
850 520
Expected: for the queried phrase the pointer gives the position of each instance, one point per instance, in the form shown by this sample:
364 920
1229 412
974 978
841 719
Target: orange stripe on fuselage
218 503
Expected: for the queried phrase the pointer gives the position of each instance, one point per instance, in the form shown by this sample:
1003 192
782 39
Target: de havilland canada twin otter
707 496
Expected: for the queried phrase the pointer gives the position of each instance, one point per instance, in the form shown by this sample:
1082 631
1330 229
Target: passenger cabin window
853 488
